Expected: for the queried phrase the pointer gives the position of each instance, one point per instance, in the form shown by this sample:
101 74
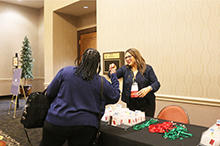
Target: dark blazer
148 78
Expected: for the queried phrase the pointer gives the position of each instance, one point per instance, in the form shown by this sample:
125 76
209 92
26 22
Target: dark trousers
143 105
76 135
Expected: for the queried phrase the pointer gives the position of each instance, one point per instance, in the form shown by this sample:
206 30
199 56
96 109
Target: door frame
80 32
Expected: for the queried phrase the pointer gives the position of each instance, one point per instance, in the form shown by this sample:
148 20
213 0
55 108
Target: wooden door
87 41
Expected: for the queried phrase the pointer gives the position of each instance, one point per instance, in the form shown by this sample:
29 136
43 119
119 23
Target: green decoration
145 124
26 61
179 132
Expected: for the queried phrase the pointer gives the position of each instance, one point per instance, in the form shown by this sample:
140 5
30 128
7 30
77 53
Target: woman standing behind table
137 75
73 114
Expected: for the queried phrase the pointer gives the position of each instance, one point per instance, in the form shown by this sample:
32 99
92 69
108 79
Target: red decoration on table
161 127
2 143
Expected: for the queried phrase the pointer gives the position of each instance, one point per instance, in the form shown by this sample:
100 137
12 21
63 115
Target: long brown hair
141 64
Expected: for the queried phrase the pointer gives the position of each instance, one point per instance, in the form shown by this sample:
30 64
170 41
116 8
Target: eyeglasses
128 57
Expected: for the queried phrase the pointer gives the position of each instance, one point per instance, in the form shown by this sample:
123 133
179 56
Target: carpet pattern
8 139
12 126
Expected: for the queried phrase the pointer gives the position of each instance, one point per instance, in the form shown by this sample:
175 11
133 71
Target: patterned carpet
12 126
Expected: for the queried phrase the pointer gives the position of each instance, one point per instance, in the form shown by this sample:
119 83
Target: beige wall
61 36
64 41
86 21
180 39
16 22
49 9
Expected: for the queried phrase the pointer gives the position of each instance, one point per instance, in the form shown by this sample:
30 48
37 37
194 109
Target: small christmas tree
26 60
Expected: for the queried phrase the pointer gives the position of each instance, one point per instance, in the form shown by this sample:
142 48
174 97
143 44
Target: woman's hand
144 91
112 68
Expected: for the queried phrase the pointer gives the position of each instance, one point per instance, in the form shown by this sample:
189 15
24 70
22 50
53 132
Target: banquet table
115 136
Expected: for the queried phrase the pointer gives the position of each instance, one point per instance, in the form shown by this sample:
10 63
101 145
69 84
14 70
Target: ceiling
37 4
76 9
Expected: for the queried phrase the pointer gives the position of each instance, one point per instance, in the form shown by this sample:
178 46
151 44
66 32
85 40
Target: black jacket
148 78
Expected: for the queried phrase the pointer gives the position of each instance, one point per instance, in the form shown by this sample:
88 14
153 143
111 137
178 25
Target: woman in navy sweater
137 72
73 114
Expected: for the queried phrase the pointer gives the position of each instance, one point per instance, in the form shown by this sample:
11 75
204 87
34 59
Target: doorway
86 39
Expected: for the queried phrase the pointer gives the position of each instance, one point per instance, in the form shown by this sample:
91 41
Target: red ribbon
161 127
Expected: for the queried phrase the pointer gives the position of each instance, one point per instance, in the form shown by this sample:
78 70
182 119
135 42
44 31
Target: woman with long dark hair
73 114
139 82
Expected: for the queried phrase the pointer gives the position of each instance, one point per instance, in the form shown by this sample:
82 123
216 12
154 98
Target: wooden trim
5 79
10 79
46 84
188 100
80 32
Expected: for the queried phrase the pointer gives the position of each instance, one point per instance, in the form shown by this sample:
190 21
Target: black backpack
35 110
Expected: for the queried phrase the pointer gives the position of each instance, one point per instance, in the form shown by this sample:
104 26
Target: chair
174 113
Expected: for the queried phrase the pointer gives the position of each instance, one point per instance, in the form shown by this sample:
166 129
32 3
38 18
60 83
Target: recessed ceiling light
85 7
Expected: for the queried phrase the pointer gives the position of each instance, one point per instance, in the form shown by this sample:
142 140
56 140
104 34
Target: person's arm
154 83
111 90
54 86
